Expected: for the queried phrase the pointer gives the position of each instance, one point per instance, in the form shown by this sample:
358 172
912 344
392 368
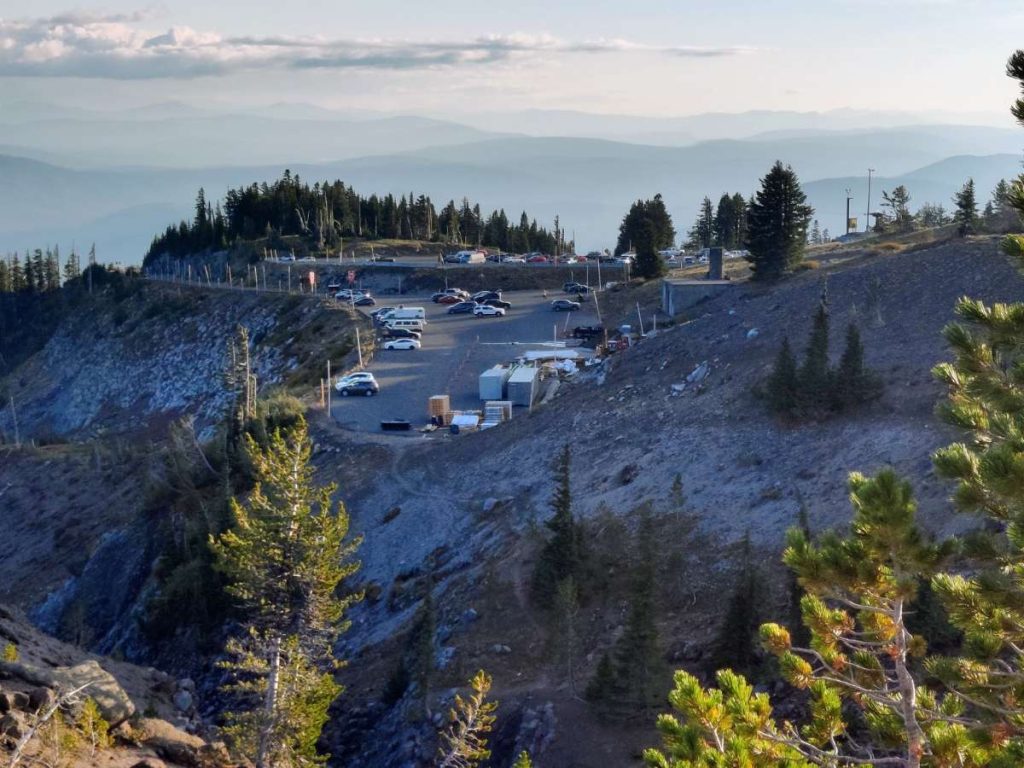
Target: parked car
538 259
624 259
402 344
435 297
380 311
575 288
401 333
450 298
352 378
364 388
381 259
462 307
514 260
497 303
346 294
564 305
481 296
486 310
365 301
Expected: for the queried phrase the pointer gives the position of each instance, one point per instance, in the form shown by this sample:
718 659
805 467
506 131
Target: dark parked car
356 388
400 333
587 332
463 307
365 301
575 288
497 303
564 305
482 296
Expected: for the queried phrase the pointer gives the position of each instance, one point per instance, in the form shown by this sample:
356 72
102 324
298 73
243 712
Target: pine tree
782 389
649 263
562 556
6 284
640 213
422 649
815 375
285 557
522 761
602 686
464 742
640 671
815 236
736 643
966 216
853 382
777 222
859 591
702 234
898 203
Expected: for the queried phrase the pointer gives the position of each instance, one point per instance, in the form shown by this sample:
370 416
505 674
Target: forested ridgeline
327 212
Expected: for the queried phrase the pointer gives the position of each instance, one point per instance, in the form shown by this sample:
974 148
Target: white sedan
352 378
484 310
402 344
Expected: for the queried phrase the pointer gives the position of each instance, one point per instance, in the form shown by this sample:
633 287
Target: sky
642 57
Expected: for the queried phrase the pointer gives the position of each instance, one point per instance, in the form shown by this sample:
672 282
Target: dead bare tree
43 716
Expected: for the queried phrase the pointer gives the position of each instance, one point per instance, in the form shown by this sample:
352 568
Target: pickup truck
588 331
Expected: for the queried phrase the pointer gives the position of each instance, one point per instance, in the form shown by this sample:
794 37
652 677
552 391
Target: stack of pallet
495 412
439 409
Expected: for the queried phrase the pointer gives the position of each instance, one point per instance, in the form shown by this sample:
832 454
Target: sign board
351 276
851 224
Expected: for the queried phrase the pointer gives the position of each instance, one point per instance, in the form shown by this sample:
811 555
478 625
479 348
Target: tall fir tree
777 222
286 557
562 556
966 215
815 375
649 263
736 645
651 211
702 234
783 388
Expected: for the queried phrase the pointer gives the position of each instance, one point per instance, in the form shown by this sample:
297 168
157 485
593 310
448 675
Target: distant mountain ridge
588 182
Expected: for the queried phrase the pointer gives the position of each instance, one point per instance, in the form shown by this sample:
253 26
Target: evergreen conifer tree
853 382
562 557
966 215
285 557
782 389
649 263
777 220
736 643
464 741
640 671
815 376
702 234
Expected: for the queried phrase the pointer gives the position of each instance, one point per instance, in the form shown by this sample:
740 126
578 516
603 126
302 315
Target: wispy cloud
118 47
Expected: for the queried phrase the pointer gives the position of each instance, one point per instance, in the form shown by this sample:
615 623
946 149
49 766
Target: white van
411 324
404 313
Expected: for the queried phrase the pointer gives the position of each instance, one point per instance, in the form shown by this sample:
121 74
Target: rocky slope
131 365
469 505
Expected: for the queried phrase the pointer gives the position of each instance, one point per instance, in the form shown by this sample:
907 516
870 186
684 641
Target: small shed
492 382
680 295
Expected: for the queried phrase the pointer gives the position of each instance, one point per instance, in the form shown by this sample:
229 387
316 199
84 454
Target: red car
449 299
537 260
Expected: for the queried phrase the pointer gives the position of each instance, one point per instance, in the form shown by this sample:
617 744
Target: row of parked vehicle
480 304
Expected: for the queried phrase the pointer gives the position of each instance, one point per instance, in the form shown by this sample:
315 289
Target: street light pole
867 215
848 199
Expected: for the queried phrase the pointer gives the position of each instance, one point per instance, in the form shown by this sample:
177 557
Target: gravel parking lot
456 350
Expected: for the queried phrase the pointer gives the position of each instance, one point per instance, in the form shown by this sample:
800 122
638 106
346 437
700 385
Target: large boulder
96 683
170 743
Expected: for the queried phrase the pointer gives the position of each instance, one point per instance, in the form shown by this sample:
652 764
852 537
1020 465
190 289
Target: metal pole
848 199
329 382
640 317
359 349
14 418
867 216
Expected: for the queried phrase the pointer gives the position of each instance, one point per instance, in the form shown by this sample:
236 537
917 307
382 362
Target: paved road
456 350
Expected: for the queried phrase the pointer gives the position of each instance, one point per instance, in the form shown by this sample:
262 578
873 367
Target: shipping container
522 385
492 383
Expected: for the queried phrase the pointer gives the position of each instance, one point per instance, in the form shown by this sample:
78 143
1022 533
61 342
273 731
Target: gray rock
114 704
172 744
183 700
500 649
40 698
187 684
469 616
150 762
13 725
490 504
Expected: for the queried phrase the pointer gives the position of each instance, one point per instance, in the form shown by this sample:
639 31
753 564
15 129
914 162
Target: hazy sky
673 57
